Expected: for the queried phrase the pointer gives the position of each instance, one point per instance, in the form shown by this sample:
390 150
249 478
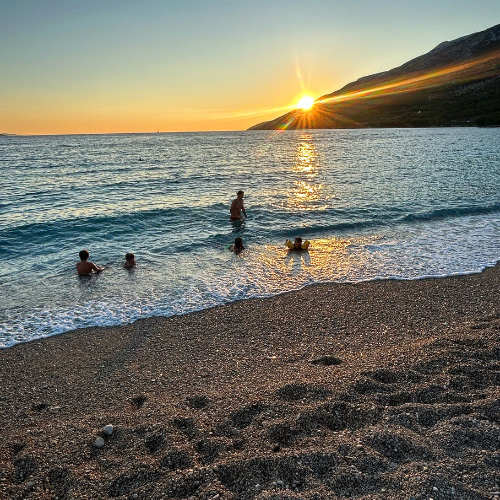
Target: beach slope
378 390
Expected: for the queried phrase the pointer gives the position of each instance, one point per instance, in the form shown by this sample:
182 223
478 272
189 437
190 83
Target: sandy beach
378 390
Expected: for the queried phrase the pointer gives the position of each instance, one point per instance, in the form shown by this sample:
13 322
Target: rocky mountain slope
455 84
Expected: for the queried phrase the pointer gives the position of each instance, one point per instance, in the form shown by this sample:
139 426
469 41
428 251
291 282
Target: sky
121 66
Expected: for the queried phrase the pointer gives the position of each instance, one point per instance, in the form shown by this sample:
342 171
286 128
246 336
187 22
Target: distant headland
456 84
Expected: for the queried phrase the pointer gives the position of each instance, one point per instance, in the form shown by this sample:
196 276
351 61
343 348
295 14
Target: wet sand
379 390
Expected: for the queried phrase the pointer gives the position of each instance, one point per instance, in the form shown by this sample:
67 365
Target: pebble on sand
107 430
98 443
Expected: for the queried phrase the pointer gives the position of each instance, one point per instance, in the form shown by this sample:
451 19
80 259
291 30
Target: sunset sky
141 66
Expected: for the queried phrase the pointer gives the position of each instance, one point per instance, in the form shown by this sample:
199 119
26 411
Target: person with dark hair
84 267
297 245
237 206
129 261
237 247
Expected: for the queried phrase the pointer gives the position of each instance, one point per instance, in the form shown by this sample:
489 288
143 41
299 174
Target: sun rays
470 71
307 111
465 72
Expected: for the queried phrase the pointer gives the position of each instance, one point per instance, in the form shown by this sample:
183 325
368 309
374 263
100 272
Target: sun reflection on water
327 259
307 192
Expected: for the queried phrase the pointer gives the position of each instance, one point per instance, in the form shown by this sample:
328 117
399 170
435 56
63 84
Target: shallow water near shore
375 204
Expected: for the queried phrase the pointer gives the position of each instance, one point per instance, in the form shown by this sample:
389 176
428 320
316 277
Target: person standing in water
237 206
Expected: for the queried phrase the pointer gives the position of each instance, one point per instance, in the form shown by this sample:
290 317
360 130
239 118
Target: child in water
130 261
297 244
84 267
237 247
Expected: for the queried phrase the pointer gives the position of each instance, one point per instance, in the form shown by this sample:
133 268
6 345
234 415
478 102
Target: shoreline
320 283
385 388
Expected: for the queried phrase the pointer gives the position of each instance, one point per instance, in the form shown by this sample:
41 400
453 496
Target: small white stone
108 430
434 488
98 443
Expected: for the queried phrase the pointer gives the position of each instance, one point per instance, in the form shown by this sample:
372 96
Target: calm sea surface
374 203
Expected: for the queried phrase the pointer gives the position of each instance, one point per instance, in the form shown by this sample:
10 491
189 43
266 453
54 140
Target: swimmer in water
237 247
297 245
84 267
129 261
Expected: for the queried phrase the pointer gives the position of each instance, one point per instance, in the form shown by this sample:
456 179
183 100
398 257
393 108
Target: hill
455 84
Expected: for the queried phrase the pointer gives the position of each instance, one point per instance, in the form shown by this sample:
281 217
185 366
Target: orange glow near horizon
305 103
40 114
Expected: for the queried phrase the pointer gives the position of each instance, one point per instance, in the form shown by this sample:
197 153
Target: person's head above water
238 245
297 244
84 254
130 260
240 193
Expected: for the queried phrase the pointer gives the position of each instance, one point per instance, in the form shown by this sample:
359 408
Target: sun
306 103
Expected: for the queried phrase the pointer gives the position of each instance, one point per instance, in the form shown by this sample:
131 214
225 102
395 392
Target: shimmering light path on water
374 203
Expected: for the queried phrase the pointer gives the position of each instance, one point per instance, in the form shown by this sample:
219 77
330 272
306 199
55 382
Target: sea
375 204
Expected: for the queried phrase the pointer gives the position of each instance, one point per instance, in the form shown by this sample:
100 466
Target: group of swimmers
237 208
85 267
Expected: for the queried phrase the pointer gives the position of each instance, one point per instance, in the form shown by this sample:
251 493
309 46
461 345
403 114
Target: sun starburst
306 103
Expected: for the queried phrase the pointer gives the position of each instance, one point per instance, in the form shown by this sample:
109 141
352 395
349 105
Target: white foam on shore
414 251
